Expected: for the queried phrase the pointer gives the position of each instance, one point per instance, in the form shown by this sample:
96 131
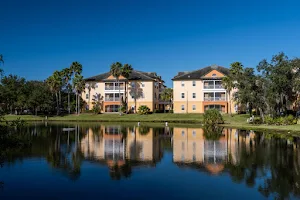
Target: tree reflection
272 160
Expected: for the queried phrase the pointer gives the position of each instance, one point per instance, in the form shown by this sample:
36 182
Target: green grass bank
236 121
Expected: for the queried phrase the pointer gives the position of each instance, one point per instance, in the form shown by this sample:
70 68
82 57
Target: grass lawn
237 121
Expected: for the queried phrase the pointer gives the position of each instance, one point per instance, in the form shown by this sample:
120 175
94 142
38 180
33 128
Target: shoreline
237 121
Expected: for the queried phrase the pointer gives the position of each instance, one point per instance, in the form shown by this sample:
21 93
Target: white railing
213 86
219 87
114 88
208 86
214 99
112 99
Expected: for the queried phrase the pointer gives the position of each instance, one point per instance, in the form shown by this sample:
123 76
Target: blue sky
38 37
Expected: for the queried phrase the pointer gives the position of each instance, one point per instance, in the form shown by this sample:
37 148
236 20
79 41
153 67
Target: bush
257 120
213 117
144 110
170 111
269 120
96 109
288 120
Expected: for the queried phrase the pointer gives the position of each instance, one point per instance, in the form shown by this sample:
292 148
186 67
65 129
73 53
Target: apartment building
200 90
143 88
192 149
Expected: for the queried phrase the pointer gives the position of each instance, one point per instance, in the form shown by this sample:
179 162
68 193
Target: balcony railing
213 87
114 88
219 87
112 99
208 86
214 99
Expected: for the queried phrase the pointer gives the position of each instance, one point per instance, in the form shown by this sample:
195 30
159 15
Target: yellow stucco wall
189 90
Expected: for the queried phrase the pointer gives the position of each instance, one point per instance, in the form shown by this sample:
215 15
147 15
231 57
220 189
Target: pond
101 161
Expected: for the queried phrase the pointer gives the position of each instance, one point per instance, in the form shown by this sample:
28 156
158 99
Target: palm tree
67 74
1 61
228 84
116 71
79 86
90 86
76 69
54 85
167 96
126 71
58 79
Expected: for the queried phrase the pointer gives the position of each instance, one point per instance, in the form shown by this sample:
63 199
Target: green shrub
171 111
212 117
144 110
269 120
122 109
257 120
289 120
96 109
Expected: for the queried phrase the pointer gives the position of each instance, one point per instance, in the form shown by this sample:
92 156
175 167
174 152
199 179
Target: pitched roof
200 73
135 75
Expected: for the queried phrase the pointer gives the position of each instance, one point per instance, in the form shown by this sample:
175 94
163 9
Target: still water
113 161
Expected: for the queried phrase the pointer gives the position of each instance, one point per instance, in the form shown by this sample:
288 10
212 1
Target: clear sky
165 36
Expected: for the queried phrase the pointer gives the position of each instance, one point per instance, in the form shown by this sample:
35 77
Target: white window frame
194 107
182 95
182 107
194 83
182 83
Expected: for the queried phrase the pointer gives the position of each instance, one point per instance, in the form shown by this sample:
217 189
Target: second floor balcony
218 96
213 85
114 86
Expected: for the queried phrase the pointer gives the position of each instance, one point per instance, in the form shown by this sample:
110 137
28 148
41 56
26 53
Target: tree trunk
76 99
119 96
126 103
69 110
59 99
57 106
261 115
78 96
229 103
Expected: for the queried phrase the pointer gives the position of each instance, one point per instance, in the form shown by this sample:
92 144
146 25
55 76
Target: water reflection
267 162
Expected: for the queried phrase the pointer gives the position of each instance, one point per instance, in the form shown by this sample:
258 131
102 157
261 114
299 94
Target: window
143 84
132 84
213 75
194 83
182 83
194 95
182 146
182 133
86 96
96 85
182 95
142 95
182 107
194 107
194 133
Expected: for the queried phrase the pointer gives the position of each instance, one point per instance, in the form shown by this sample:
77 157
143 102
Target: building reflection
122 147
192 148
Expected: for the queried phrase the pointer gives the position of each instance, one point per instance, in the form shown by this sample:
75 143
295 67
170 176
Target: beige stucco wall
147 99
188 101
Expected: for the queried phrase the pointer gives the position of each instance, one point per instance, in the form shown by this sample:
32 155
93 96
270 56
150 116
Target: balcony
213 85
209 86
215 96
114 86
112 99
214 99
